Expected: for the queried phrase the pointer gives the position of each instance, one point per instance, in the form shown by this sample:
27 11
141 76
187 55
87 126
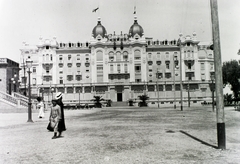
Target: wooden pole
218 76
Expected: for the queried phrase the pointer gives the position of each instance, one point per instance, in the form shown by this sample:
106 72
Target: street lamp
52 90
24 79
212 88
29 65
79 98
189 77
174 74
158 76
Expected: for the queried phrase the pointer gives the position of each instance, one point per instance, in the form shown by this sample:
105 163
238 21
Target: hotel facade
120 67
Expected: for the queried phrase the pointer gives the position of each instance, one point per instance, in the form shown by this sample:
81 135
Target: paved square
120 135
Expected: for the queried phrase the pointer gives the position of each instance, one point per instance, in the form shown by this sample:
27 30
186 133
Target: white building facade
120 67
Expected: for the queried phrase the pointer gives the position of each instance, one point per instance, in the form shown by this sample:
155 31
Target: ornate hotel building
120 67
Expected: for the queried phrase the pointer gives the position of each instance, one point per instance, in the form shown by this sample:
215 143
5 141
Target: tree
143 99
97 101
231 74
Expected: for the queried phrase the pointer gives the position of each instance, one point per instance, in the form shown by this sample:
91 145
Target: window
99 56
150 55
69 77
34 81
202 66
78 64
111 68
60 57
69 65
47 47
189 65
69 57
167 66
34 69
47 69
118 57
158 62
168 75
87 64
78 56
150 70
125 56
137 55
78 77
51 57
150 62
125 68
60 65
137 68
167 54
211 66
118 68
137 80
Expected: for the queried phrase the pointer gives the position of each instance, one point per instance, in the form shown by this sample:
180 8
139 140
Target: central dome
135 29
99 29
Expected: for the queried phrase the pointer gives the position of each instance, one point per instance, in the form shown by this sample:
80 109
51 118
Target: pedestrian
55 117
61 125
40 107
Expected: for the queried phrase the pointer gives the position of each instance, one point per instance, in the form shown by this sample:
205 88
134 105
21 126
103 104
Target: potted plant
143 101
97 101
130 102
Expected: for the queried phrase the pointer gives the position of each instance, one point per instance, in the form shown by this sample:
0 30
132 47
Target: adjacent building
9 76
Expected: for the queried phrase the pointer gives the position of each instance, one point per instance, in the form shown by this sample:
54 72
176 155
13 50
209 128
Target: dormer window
47 47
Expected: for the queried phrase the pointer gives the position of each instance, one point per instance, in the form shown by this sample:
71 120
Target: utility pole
158 87
181 87
218 76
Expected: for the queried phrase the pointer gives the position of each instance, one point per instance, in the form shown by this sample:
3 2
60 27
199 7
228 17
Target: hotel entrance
119 97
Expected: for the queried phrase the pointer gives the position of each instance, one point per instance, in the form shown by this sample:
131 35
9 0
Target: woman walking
61 124
40 107
55 117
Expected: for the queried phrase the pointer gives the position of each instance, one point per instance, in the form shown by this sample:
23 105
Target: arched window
99 55
137 55
118 58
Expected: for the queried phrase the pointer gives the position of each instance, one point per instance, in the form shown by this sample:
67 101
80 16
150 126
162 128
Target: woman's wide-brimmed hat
58 95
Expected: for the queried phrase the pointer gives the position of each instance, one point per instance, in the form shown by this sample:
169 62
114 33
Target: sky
73 21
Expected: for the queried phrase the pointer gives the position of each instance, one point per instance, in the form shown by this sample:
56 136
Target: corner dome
135 29
99 29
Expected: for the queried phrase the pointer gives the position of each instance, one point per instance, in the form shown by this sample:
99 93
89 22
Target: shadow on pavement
203 142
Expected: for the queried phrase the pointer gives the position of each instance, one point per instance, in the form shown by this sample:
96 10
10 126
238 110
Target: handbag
50 126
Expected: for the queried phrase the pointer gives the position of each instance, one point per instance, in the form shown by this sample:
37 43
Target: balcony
47 62
190 70
47 74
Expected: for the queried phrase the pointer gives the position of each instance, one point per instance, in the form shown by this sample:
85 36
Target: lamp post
52 90
189 77
79 98
174 74
29 65
158 87
24 77
181 87
212 88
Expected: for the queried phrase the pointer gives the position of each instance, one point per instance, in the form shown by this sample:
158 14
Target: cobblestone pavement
121 136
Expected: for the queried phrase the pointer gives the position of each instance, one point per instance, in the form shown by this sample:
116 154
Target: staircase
120 104
11 103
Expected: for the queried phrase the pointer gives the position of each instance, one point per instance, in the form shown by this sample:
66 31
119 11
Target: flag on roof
134 10
95 10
